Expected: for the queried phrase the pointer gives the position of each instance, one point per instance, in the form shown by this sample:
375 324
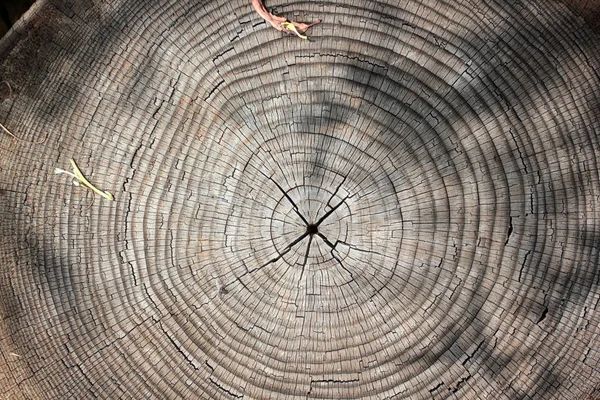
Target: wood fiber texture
406 206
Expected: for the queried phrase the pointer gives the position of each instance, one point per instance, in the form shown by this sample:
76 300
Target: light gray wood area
406 206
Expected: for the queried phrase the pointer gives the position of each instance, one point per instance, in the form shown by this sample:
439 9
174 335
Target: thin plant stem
5 129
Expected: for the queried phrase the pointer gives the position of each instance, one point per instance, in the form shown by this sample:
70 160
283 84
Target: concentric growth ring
404 206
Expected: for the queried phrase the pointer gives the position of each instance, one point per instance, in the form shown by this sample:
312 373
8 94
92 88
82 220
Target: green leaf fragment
292 28
86 183
80 180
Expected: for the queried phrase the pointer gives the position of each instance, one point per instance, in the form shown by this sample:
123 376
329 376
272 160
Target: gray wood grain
405 206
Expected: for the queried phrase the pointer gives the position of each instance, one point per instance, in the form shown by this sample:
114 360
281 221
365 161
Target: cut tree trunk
406 206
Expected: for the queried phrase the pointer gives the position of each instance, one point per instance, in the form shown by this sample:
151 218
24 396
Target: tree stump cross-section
402 206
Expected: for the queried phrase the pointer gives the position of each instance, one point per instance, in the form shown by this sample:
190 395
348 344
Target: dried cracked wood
405 207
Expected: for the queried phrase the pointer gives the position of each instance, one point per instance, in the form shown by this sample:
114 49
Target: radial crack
287 196
337 189
328 243
310 238
283 253
352 246
328 213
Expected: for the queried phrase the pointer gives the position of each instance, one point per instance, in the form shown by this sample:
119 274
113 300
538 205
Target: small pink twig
281 23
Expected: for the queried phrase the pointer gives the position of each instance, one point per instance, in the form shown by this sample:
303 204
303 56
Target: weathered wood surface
404 207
